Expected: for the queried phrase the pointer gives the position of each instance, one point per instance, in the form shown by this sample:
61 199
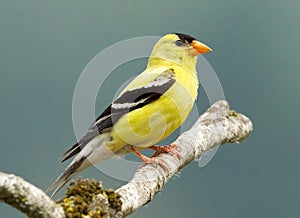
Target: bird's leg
166 149
149 160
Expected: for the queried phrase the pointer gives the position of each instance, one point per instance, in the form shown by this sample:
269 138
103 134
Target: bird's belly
152 123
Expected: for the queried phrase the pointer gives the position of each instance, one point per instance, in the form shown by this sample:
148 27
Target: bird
147 110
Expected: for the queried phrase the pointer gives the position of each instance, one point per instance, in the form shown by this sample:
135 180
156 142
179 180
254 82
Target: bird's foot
166 149
150 160
156 161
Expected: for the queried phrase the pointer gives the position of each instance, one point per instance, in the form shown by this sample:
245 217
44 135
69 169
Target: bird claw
156 161
166 149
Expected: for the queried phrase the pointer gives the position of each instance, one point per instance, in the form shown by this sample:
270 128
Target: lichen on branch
87 198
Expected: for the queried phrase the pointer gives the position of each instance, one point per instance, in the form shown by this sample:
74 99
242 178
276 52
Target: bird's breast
154 122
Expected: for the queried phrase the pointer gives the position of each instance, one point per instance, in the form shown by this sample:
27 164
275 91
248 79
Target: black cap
185 38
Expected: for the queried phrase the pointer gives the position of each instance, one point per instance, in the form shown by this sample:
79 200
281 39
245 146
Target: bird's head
178 48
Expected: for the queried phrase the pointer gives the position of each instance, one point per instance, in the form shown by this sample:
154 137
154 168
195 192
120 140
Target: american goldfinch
147 111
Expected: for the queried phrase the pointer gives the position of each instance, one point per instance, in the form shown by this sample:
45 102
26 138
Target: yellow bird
147 111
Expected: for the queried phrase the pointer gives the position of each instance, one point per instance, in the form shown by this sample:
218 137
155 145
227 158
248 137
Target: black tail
68 173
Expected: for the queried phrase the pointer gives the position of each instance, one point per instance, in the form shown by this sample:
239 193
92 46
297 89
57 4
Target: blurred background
44 46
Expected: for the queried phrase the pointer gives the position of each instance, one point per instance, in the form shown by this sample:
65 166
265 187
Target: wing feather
128 101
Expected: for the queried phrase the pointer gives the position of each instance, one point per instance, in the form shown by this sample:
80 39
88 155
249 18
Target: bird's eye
180 43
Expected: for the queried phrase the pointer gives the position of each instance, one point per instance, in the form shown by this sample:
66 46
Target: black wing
128 101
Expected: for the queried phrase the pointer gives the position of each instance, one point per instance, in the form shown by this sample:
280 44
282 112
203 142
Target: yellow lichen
81 200
233 113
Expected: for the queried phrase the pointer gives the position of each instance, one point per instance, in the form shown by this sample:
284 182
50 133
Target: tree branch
218 125
27 198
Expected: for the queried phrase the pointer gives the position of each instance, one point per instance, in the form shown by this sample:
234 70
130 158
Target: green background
44 46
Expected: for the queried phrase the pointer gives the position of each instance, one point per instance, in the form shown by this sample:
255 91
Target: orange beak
199 47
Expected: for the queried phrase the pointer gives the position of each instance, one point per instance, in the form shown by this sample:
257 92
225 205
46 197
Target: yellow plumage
157 120
147 111
171 109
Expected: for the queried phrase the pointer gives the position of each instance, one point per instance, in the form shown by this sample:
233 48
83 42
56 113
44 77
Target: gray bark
27 198
218 125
